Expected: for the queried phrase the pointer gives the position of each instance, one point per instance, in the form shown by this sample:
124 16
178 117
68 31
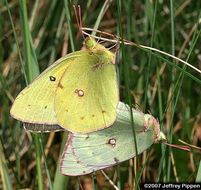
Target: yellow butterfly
79 92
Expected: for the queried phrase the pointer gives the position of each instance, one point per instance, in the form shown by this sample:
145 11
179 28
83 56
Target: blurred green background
33 34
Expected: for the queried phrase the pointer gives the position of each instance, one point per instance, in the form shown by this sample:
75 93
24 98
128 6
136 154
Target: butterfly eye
90 43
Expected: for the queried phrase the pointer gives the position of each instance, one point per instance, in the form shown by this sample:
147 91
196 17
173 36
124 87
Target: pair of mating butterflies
86 153
79 93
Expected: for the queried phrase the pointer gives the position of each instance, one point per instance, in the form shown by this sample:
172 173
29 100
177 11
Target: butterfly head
104 55
90 43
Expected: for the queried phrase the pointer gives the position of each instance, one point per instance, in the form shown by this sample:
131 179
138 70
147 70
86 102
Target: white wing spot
112 142
79 92
52 78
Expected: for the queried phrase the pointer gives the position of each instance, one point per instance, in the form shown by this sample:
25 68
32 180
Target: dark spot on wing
52 78
60 85
45 107
103 111
92 115
86 137
97 66
81 118
116 159
66 110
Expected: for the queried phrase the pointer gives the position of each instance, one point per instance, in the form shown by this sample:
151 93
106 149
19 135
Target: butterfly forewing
35 104
87 95
78 92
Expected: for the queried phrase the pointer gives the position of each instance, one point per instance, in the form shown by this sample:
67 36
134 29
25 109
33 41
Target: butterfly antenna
190 145
98 41
79 19
115 45
187 148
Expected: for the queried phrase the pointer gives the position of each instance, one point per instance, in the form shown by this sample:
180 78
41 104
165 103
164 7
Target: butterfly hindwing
70 165
111 146
108 147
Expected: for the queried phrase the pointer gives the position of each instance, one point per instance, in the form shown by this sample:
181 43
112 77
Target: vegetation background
43 31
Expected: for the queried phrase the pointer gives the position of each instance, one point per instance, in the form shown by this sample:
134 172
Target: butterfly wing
35 104
107 147
124 116
33 127
70 165
87 95
111 147
79 93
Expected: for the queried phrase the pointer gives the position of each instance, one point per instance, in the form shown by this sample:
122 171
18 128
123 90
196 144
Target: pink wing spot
112 142
154 124
156 130
146 125
79 92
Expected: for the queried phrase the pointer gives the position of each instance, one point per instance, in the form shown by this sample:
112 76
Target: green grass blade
5 177
173 104
149 15
100 16
46 166
70 24
126 78
61 181
16 40
32 72
198 177
30 58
